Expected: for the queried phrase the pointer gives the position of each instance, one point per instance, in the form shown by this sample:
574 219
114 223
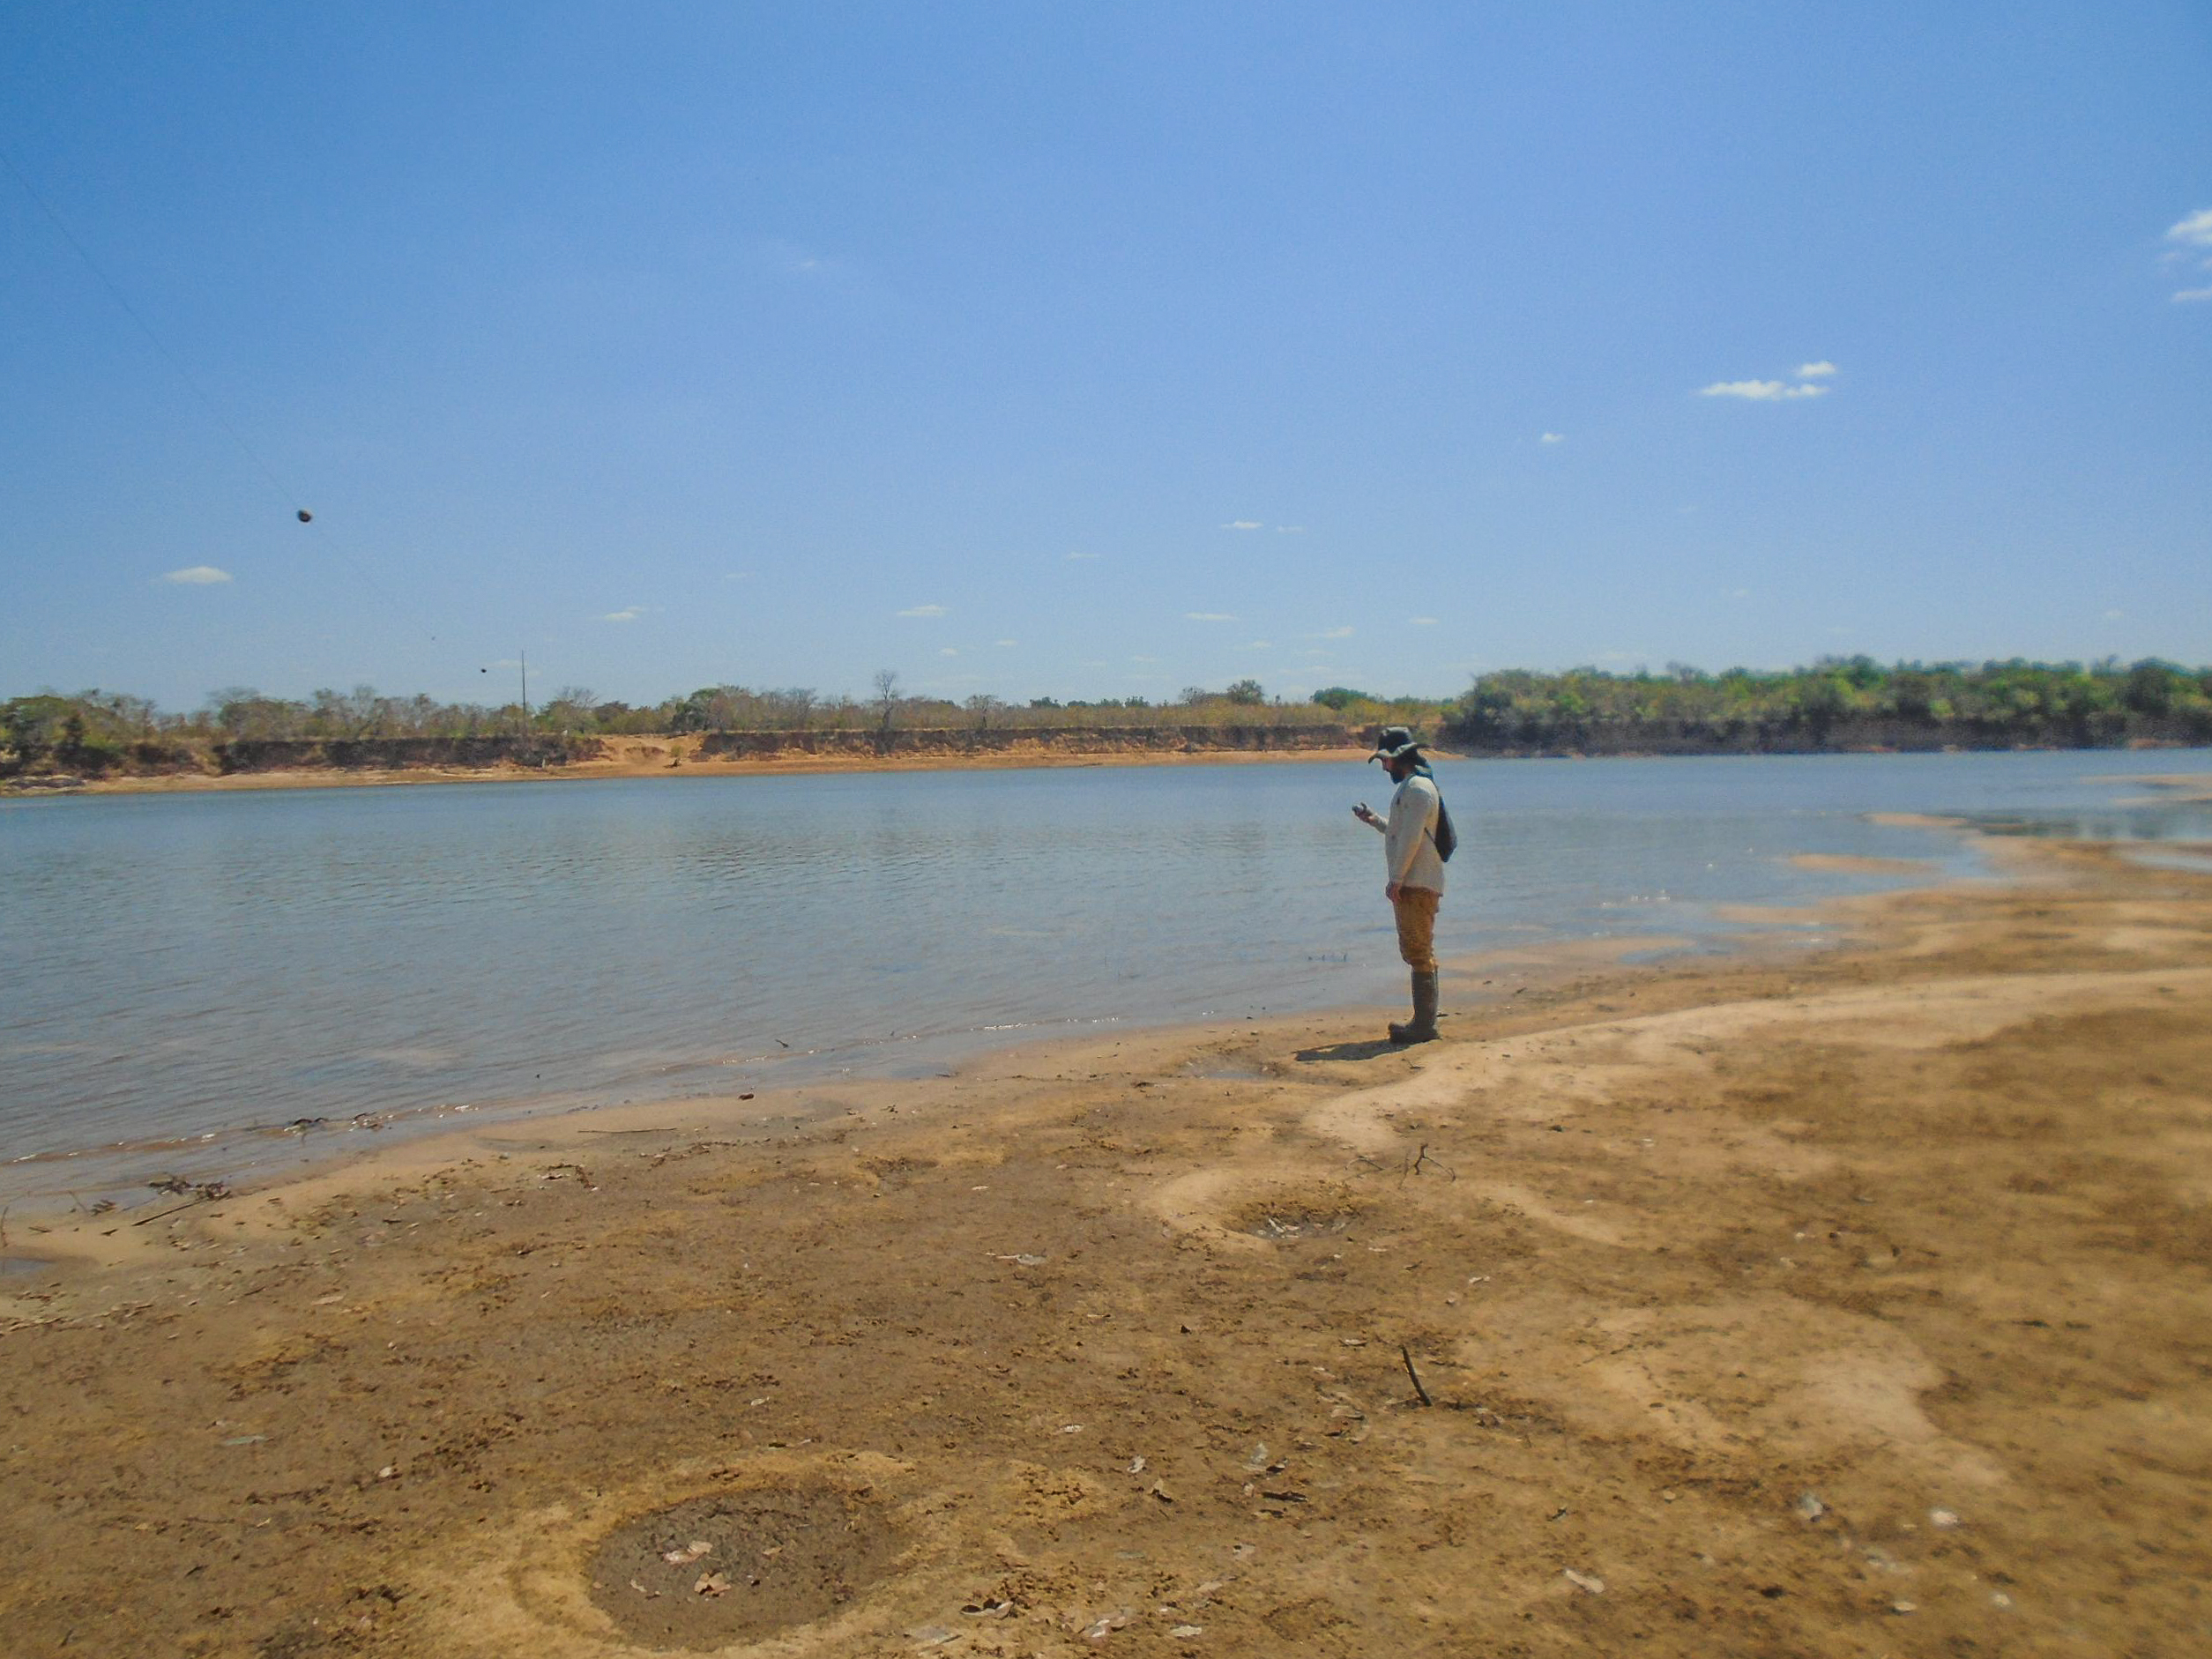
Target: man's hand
1365 815
1391 892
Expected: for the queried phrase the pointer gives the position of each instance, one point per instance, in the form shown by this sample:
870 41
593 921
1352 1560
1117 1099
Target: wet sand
1855 1304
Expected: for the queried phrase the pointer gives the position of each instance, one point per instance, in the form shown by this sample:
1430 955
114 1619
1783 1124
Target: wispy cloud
1422 621
1208 617
1257 644
2194 231
1334 632
1145 660
2190 235
790 257
737 575
627 613
924 610
1290 529
1243 523
2114 616
1079 558
1815 371
197 575
1003 644
1552 437
948 651
1761 390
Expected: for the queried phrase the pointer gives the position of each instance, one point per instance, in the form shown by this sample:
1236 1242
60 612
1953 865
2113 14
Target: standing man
1415 884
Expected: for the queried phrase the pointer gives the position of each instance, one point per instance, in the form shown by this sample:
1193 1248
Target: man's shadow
1372 1049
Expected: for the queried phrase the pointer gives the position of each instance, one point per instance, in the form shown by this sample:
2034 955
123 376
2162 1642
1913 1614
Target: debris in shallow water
1810 1507
711 1584
1942 1518
689 1553
1136 1466
1584 1582
1105 1626
1184 1633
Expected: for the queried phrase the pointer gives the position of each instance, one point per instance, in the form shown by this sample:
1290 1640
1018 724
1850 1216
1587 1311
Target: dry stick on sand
1421 1160
1406 1355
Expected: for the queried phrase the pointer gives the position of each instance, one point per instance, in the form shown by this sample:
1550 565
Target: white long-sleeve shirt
1409 844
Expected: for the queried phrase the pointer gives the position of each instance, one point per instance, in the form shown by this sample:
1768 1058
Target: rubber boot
1423 1027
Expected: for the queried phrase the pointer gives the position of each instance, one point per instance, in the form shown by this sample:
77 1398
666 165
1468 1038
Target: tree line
2065 705
1836 699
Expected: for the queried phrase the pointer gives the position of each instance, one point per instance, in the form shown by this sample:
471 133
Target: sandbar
1846 1303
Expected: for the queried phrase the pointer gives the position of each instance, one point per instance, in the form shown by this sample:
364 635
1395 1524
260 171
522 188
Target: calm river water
181 974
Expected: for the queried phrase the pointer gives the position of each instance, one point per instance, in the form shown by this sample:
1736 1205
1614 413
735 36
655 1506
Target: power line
146 328
214 409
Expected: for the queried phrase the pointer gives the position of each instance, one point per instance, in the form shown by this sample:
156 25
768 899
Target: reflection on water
174 966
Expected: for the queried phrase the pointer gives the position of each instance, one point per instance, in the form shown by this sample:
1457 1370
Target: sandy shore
1857 1306
675 758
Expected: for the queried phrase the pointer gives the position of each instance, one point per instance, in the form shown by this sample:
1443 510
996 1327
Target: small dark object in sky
306 517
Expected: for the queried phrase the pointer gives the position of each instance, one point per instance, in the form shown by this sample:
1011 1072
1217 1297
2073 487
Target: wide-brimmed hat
1395 742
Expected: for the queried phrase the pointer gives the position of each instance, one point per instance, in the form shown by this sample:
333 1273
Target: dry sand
678 757
1857 1305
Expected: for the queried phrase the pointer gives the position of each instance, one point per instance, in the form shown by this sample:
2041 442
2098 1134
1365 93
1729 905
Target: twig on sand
171 1210
1406 1355
1420 1160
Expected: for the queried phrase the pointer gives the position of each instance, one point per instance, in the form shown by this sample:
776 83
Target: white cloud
1422 621
197 576
924 610
627 613
1257 644
1147 660
1075 558
1242 523
948 651
1003 644
1208 617
2189 295
737 575
2195 231
1740 593
790 257
1552 437
1334 632
1761 390
1815 371
2114 616
1290 529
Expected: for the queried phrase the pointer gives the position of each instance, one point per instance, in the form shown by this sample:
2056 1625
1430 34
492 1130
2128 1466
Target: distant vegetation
1853 701
1836 702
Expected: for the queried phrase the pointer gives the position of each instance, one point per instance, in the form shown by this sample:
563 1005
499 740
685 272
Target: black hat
1395 742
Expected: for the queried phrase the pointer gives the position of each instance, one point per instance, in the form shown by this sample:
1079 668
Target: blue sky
1091 351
